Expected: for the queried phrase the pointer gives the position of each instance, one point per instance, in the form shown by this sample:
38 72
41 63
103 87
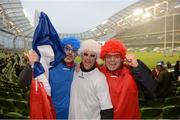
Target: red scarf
70 65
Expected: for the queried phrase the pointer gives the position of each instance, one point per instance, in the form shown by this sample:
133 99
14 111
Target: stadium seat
15 96
178 84
174 85
15 115
4 94
174 82
22 107
156 102
174 88
171 112
178 88
142 103
3 116
172 101
177 93
7 105
151 113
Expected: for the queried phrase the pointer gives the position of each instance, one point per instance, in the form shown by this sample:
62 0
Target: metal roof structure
16 31
125 19
15 28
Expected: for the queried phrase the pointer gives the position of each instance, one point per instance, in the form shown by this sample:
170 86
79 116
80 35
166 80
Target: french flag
46 43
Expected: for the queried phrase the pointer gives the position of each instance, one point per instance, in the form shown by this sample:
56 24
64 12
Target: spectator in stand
154 73
177 70
164 80
170 69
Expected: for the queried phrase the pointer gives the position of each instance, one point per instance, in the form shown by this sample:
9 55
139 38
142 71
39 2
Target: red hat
113 46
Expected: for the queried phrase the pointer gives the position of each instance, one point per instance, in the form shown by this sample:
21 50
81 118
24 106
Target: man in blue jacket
61 77
58 69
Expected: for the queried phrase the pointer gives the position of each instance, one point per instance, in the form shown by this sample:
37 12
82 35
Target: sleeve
25 76
160 78
107 114
102 92
145 81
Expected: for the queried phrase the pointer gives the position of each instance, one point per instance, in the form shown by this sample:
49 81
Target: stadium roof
13 19
15 24
125 18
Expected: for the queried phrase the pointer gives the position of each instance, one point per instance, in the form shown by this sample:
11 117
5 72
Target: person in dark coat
177 70
164 80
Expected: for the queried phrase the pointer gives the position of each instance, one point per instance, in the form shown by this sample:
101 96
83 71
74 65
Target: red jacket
124 93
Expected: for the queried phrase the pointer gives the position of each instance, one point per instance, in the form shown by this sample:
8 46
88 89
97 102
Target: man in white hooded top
90 98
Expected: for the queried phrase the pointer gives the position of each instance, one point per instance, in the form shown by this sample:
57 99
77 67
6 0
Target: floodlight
177 6
161 11
136 19
146 15
138 12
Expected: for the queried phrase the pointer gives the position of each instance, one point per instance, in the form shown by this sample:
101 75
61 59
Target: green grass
150 58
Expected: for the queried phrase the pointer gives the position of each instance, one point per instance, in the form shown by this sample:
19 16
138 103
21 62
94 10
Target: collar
84 70
69 65
117 73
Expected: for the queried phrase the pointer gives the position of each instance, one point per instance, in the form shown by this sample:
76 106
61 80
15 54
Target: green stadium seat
25 95
15 96
178 84
142 103
171 112
174 82
3 116
15 115
22 107
174 88
178 88
174 85
156 102
173 93
18 90
177 93
6 88
4 94
151 113
172 101
7 105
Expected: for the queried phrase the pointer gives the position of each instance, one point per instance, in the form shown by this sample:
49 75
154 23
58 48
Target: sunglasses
91 55
68 49
116 56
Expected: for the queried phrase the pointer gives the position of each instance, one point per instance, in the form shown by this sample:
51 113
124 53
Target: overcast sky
74 16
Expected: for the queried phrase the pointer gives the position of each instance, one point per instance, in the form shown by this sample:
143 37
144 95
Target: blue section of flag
45 34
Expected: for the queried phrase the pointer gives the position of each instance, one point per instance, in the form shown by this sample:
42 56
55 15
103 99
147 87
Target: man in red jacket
123 72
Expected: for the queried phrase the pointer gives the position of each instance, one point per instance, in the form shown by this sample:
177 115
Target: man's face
70 53
113 61
88 59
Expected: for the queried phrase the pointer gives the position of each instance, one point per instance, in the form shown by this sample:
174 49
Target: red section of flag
40 103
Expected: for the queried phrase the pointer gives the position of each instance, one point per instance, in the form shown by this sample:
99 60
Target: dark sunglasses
67 49
91 55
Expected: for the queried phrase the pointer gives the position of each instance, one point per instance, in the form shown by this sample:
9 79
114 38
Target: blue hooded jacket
60 76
